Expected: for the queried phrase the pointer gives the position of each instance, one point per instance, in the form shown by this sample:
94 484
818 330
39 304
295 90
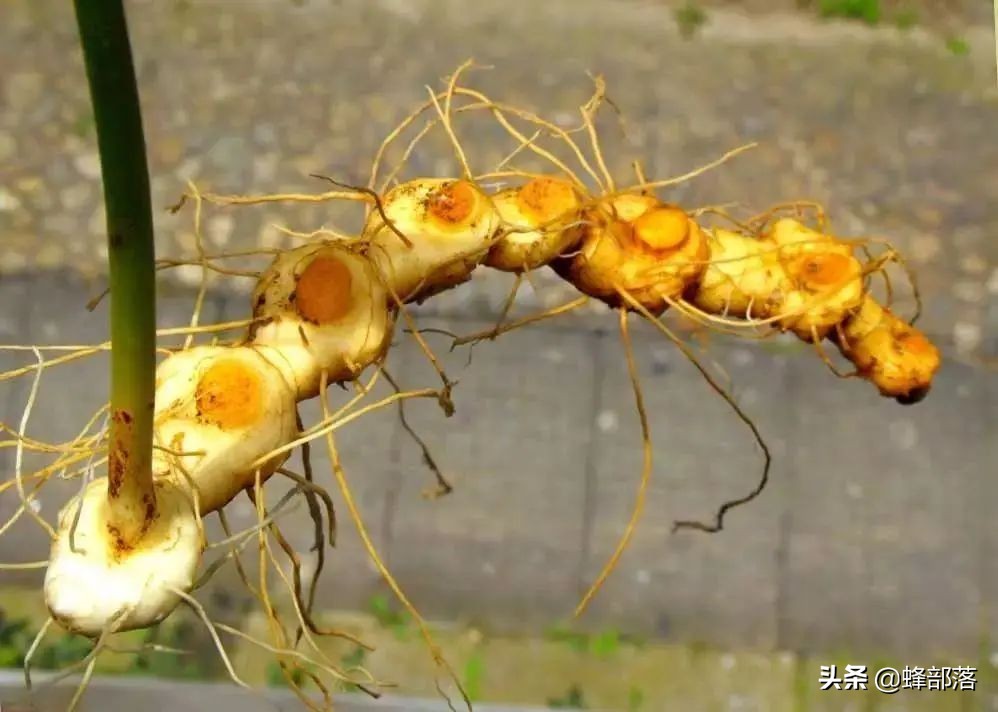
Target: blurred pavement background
877 533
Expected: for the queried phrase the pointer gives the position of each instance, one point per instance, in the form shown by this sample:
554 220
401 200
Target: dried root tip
893 355
219 409
634 242
450 225
93 585
540 222
323 308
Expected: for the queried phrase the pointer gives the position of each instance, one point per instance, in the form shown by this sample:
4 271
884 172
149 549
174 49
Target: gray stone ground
126 694
877 531
889 130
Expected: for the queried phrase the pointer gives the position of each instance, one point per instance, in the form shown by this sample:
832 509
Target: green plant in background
690 17
64 650
12 637
167 654
355 658
572 698
276 678
958 46
474 674
164 651
575 640
635 699
803 682
906 18
867 11
388 617
15 639
603 644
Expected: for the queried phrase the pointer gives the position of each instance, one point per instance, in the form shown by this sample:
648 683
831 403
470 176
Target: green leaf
381 608
355 658
575 640
958 46
275 678
402 631
11 633
635 699
867 11
689 18
10 657
906 19
474 672
572 698
605 644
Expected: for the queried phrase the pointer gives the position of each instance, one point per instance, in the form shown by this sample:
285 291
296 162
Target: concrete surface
887 128
876 519
115 694
877 532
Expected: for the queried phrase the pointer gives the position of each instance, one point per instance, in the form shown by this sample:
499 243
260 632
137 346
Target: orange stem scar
546 198
323 294
453 202
825 269
230 395
664 228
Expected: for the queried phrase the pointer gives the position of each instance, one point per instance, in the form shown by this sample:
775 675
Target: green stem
131 262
